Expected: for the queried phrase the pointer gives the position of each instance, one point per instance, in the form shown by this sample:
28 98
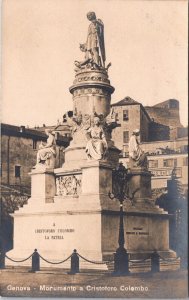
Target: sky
146 42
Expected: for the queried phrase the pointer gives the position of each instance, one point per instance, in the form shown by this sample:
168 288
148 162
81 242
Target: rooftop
21 131
129 101
126 101
37 134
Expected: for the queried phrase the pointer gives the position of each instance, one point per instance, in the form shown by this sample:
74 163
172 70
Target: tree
9 202
175 202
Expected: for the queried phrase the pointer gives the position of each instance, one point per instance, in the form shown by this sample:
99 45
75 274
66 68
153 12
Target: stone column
91 92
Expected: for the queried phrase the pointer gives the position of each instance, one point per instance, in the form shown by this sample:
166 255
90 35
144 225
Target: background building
162 165
167 113
18 155
130 115
160 122
162 137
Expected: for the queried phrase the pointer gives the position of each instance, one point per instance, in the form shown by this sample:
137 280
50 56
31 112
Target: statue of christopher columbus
94 48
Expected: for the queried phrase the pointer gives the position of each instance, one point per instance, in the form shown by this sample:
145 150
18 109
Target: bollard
74 263
121 262
35 261
155 262
2 259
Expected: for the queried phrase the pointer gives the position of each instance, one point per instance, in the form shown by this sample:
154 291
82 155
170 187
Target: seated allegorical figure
47 152
137 156
97 145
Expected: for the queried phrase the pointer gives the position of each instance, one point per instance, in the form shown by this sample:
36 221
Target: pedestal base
90 227
81 216
43 184
139 183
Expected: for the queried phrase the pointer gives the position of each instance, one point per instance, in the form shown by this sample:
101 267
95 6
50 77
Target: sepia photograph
94 149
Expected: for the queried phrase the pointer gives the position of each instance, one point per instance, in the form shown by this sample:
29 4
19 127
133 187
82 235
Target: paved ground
21 283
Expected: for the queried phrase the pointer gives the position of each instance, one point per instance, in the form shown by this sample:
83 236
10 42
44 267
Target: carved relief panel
68 185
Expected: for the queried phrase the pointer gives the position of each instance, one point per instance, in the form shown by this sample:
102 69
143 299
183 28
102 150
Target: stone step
145 266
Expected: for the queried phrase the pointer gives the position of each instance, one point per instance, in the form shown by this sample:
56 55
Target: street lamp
119 191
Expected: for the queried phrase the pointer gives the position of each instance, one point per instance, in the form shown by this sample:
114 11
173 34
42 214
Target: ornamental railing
75 258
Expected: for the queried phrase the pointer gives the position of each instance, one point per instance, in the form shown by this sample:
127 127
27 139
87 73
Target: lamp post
119 191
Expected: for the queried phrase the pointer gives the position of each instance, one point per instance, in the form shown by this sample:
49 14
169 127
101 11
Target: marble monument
70 207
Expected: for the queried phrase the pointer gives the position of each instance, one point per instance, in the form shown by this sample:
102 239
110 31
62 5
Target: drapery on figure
95 40
47 153
137 156
97 145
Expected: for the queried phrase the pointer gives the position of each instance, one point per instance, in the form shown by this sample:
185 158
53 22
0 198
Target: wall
178 132
144 126
172 144
17 151
158 132
165 113
132 123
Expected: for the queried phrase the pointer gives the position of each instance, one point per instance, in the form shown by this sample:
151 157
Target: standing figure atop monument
137 156
94 47
95 40
97 145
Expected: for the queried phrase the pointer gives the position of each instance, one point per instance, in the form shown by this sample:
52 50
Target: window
184 149
153 163
125 115
185 161
17 171
34 144
173 104
170 162
125 137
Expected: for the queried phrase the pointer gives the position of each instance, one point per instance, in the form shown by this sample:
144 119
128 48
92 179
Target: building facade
130 115
163 165
167 113
162 137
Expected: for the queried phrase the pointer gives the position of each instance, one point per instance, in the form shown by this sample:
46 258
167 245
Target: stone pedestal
140 183
43 184
146 229
82 216
100 175
64 217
